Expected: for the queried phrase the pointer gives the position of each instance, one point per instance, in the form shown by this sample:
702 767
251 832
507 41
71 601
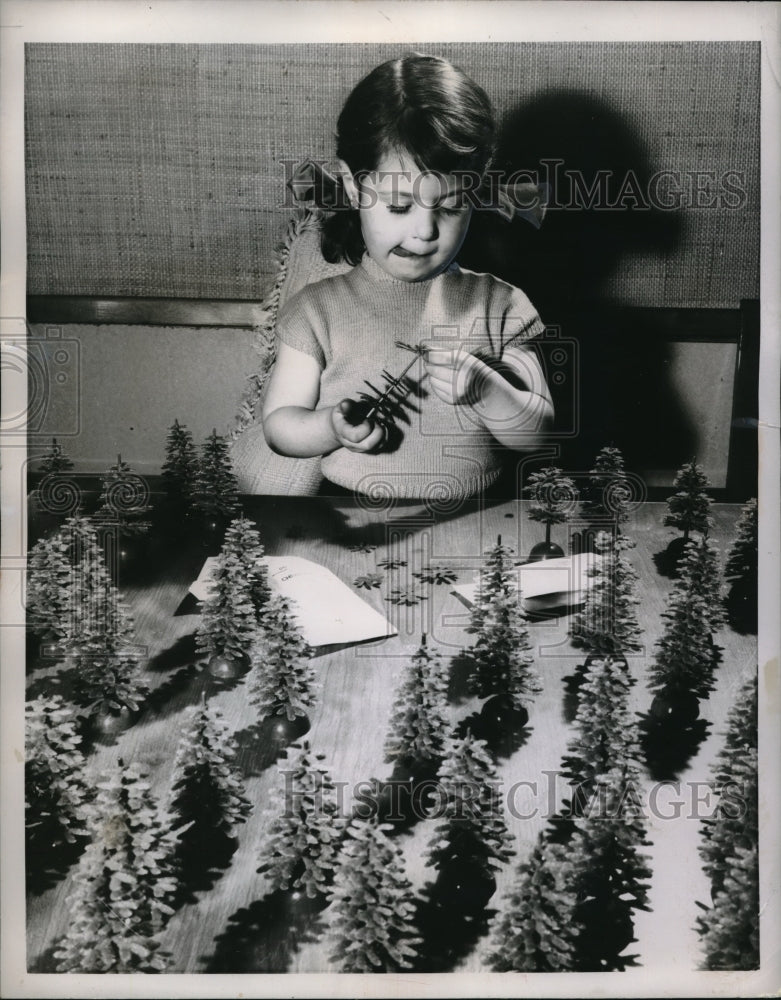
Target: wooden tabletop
349 721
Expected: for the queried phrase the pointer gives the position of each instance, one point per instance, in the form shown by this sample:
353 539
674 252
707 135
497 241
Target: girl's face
413 221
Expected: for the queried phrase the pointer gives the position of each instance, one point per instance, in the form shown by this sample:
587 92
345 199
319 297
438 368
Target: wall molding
95 311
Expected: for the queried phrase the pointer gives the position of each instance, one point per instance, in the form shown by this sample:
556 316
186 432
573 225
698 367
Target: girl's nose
425 224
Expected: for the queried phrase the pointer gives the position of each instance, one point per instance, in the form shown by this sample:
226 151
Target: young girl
415 138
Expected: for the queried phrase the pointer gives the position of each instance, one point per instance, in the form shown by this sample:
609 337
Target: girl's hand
455 374
361 437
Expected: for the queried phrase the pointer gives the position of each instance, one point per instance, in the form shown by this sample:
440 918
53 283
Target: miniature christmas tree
282 679
124 501
302 835
742 560
242 540
216 495
419 724
180 468
612 873
741 570
120 900
228 624
99 628
730 931
501 658
536 932
609 489
684 658
55 789
689 507
55 460
472 827
372 905
607 624
553 498
48 585
605 736
733 831
207 793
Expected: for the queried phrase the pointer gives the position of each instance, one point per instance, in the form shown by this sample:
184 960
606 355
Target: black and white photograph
390 498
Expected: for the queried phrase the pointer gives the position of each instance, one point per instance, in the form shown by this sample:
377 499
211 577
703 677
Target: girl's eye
398 209
452 210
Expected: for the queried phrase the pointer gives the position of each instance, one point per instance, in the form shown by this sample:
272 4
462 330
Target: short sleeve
301 327
521 320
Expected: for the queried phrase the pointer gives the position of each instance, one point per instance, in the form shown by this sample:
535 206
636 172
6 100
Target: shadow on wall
592 159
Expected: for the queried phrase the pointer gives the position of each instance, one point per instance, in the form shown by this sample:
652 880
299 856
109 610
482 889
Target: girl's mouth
401 252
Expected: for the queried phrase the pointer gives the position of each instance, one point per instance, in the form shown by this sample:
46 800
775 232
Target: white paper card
326 610
548 583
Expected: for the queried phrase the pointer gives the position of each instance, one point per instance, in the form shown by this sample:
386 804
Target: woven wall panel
152 170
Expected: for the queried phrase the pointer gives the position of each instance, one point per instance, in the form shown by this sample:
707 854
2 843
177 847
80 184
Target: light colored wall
113 389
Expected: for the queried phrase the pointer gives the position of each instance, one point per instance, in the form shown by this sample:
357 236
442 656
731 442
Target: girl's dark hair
418 104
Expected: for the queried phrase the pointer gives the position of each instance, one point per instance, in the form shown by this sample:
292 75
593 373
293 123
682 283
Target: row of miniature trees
73 603
200 486
130 876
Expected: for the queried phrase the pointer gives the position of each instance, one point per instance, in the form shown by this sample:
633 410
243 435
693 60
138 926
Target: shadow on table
669 746
447 936
262 937
48 858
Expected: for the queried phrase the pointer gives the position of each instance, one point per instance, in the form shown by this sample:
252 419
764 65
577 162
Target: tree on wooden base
472 828
689 506
607 624
180 469
500 657
207 793
730 843
684 658
49 571
553 498
282 680
124 502
605 734
612 875
120 900
242 541
536 932
609 491
216 492
419 724
372 905
56 791
228 624
303 828
99 628
742 569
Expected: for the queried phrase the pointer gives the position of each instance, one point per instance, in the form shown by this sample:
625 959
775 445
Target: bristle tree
372 905
729 928
419 724
124 884
688 508
500 658
552 500
180 469
607 625
304 828
56 790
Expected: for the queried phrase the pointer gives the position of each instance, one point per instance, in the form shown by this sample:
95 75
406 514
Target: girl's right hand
362 437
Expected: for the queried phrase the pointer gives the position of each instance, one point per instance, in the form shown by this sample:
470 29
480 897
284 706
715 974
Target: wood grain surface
228 927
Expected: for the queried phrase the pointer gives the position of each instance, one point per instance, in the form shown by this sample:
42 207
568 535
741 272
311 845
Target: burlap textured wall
153 170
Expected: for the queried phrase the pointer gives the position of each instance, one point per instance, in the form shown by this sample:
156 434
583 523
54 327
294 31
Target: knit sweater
349 324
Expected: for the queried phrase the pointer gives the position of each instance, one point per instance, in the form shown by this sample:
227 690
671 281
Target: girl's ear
349 183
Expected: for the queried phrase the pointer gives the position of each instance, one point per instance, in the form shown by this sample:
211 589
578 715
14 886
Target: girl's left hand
455 374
